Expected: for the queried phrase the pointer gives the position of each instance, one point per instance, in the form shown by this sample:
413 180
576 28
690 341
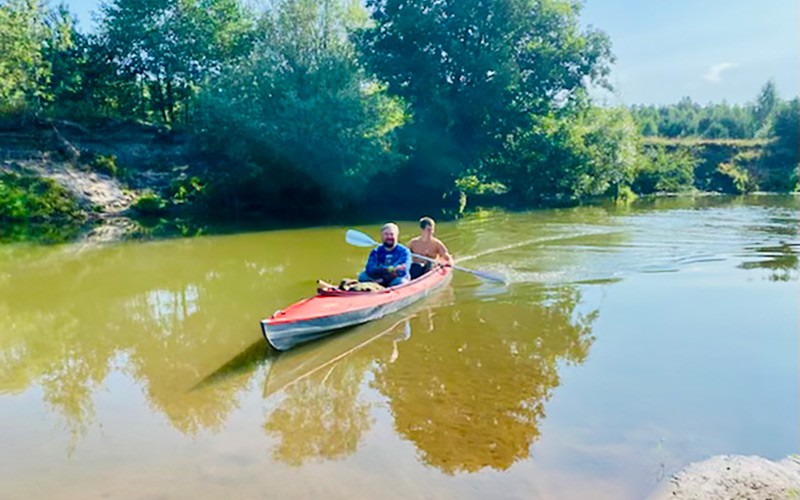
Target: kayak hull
326 313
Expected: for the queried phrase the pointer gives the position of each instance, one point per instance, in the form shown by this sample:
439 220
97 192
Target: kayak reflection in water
389 263
429 246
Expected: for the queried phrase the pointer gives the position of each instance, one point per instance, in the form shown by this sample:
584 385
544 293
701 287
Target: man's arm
403 263
448 259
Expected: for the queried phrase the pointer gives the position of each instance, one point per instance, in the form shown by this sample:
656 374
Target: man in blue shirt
389 264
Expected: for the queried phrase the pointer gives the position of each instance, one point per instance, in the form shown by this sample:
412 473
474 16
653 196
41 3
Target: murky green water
628 343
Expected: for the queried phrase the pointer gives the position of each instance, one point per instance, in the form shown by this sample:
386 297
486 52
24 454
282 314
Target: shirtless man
429 246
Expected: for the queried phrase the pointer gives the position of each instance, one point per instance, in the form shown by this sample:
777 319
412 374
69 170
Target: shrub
105 165
186 190
35 199
729 178
150 204
665 172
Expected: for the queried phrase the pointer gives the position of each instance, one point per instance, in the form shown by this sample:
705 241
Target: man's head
389 235
427 226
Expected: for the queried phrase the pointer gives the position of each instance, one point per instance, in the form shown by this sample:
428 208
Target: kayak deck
328 311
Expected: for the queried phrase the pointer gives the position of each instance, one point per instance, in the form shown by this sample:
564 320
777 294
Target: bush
665 172
35 199
105 165
470 184
186 190
150 204
729 178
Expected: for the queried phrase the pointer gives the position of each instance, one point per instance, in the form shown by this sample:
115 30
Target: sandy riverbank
734 477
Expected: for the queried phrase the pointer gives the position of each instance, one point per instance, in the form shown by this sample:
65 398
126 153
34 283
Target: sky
709 50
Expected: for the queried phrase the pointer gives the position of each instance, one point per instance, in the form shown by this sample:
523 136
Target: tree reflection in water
466 381
167 322
320 417
471 395
321 414
780 260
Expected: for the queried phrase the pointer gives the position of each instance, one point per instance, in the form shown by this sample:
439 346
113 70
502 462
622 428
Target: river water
628 343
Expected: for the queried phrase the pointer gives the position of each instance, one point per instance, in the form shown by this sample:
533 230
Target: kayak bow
333 310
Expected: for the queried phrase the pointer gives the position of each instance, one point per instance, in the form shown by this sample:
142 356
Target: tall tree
781 160
23 71
766 104
298 119
173 45
475 72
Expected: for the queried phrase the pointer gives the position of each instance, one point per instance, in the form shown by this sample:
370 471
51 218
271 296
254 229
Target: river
628 342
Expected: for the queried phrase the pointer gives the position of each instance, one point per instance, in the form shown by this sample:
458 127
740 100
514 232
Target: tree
476 72
23 71
766 104
298 119
662 171
561 159
170 46
780 162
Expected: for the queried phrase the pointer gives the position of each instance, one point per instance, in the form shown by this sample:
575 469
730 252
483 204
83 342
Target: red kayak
332 310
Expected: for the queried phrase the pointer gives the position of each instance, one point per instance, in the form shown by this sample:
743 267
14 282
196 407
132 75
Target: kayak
332 310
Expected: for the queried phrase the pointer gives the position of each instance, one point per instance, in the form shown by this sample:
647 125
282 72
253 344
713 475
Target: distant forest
712 121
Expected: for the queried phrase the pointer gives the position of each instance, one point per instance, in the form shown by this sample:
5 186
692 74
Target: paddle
359 239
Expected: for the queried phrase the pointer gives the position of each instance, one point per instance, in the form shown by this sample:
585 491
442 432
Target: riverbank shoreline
734 477
112 168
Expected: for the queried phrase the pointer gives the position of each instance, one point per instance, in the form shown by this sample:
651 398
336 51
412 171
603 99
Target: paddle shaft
480 274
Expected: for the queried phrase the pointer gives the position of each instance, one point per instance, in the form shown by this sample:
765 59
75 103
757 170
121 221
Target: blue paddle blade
359 239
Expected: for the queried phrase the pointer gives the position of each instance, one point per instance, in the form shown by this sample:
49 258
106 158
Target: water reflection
321 412
163 314
321 416
780 260
472 393
466 384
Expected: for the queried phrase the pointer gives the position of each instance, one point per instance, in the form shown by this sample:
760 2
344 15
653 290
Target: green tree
476 72
298 119
61 49
171 46
766 104
662 171
560 159
780 161
23 71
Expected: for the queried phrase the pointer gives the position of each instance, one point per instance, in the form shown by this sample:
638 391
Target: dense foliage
26 197
336 103
479 75
297 121
780 163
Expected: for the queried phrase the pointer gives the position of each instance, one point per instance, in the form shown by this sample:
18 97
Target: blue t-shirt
380 258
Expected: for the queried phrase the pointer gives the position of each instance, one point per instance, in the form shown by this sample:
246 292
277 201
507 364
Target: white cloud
714 73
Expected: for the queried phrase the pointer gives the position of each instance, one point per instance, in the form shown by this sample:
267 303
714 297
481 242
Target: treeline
334 103
714 120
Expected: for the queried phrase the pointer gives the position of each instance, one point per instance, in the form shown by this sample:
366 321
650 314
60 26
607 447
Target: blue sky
709 50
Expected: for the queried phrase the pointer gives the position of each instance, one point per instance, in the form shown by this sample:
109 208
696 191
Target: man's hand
401 267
